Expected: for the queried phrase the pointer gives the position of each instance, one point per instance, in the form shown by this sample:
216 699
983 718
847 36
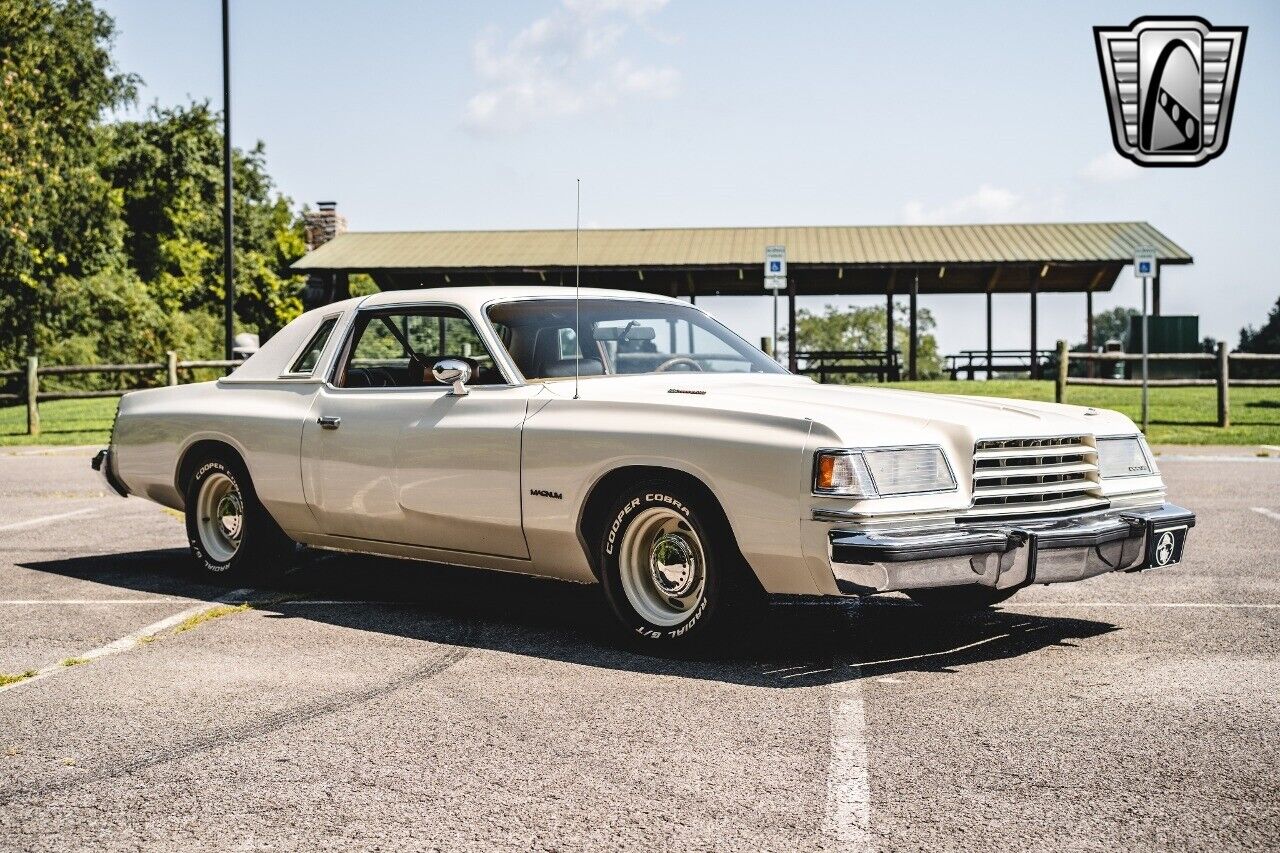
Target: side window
397 349
306 362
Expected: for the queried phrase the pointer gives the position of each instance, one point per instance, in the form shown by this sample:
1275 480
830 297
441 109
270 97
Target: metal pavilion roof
876 245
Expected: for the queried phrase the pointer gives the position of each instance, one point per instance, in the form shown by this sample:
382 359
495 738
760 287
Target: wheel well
198 452
596 506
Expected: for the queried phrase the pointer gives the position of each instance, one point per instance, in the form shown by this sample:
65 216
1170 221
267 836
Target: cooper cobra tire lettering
655 497
702 622
264 550
617 525
197 547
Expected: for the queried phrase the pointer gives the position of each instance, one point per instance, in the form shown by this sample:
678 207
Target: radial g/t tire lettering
671 572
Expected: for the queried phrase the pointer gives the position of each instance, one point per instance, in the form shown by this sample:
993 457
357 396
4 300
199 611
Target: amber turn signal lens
826 471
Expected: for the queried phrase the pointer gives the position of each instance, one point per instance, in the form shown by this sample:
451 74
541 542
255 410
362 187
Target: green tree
1111 325
109 317
58 217
168 170
1266 339
110 233
863 328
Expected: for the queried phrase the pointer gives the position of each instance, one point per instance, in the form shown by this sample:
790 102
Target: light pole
228 243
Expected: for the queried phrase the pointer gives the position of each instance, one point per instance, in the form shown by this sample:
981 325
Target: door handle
329 421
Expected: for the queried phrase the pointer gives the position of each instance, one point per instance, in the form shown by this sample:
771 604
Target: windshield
620 336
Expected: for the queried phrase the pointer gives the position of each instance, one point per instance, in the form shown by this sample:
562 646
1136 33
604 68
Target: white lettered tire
671 573
231 534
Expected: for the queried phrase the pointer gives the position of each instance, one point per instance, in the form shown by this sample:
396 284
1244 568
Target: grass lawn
61 422
1178 415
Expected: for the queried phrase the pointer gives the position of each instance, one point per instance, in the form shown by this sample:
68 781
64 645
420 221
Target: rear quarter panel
261 421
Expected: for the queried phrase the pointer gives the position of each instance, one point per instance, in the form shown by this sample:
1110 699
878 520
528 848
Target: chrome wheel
662 567
220 517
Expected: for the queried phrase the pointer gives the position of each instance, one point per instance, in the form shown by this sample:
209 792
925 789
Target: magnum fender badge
543 493
1170 84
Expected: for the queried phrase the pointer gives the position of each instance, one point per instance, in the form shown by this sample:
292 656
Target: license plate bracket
1164 545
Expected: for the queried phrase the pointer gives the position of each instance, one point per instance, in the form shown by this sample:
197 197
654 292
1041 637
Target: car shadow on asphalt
790 645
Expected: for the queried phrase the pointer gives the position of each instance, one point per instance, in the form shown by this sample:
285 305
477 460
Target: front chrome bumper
1010 554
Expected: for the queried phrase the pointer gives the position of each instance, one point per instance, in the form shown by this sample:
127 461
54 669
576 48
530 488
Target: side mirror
455 372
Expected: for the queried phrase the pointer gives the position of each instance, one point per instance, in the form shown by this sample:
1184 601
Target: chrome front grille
1035 475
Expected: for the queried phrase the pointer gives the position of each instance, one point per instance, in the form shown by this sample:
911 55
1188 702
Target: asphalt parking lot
376 704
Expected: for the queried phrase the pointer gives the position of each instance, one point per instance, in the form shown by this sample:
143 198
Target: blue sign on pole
1144 263
775 267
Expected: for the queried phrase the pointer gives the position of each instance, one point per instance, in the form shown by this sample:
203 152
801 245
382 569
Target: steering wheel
672 362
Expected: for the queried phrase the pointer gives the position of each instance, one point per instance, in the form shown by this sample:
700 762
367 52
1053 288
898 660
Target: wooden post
766 346
1224 386
33 396
1060 386
171 363
1155 294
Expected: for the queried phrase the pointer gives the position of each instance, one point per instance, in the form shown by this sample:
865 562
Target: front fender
752 464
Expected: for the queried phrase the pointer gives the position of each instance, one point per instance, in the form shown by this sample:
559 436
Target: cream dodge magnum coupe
632 442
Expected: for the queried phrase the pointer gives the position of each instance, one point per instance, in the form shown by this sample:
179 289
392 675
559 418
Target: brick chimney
323 224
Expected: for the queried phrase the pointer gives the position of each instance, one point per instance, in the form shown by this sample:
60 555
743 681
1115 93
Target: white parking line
1271 514
848 811
1197 457
128 641
847 816
1018 605
45 519
84 601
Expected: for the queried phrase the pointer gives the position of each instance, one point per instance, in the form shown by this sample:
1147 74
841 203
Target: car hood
862 415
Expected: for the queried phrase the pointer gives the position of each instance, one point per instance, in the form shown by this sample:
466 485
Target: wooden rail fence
33 396
1219 357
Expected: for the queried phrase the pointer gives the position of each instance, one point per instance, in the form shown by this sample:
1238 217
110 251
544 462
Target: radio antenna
577 286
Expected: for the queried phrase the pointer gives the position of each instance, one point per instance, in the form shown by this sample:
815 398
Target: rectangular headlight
1124 456
882 472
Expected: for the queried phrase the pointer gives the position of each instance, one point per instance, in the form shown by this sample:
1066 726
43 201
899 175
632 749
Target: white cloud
987 204
564 63
1109 168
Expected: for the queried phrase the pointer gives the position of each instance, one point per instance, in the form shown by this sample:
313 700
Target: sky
480 115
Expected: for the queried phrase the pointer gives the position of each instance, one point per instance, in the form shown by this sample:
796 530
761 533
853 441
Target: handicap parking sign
775 267
1144 263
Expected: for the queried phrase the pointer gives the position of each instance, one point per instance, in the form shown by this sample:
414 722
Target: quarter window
310 357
